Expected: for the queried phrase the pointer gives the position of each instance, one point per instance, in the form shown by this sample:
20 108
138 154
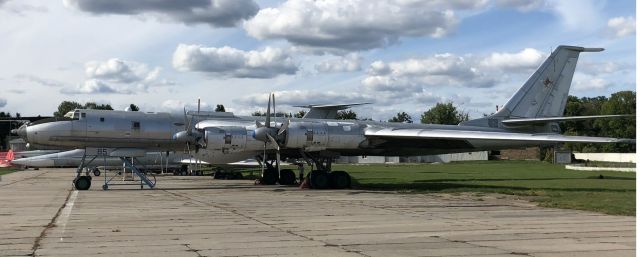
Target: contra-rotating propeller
270 134
190 136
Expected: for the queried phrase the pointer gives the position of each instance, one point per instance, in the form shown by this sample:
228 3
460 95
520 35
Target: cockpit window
74 115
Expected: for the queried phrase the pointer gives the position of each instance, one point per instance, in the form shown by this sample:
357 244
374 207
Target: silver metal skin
226 138
73 158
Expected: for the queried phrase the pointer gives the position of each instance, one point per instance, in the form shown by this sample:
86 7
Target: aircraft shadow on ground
159 187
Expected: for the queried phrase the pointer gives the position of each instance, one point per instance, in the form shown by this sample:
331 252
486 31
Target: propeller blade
264 158
185 117
278 161
273 101
274 142
258 124
284 127
268 119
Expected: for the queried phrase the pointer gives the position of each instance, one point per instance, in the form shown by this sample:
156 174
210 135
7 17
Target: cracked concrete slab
199 216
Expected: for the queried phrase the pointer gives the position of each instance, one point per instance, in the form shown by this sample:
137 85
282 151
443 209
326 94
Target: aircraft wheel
96 172
319 179
237 175
82 183
105 187
269 177
340 179
217 175
287 177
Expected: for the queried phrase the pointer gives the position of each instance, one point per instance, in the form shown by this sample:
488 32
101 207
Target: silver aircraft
529 118
73 158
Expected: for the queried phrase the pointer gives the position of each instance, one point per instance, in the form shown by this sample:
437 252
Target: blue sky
401 55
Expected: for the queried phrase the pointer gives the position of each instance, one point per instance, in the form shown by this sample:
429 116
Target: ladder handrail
139 173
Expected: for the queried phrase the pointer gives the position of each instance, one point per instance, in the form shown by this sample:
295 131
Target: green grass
4 171
548 184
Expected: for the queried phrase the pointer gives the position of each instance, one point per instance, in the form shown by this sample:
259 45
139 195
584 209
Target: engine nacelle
317 136
227 139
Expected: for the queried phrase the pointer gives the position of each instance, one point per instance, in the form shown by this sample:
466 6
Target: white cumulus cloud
349 63
584 82
303 97
119 71
621 26
412 75
347 25
524 60
178 106
117 76
94 86
230 62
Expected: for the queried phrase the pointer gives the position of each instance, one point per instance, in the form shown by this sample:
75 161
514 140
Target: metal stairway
143 178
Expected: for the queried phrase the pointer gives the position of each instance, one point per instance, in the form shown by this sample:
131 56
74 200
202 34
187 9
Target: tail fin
545 92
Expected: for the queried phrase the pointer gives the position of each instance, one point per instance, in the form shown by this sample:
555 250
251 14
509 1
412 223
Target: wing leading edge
426 134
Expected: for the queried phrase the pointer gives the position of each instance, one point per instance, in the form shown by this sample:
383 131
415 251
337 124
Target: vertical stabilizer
545 92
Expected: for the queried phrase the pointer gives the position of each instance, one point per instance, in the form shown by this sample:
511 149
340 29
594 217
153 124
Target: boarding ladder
143 178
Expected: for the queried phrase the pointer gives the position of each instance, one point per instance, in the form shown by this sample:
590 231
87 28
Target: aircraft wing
427 134
325 111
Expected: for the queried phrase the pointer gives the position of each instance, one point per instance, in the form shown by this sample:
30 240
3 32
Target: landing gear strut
322 177
270 174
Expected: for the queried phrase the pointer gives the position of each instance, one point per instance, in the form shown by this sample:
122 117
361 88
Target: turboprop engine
317 136
227 139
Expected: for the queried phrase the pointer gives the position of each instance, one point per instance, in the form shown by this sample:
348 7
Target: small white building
607 157
18 145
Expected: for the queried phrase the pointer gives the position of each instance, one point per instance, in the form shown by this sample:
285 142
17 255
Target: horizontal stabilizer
541 121
326 111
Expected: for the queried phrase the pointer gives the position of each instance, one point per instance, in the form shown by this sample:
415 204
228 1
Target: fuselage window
135 125
101 119
83 115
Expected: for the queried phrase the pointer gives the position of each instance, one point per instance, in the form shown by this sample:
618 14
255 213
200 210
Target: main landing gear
322 177
270 175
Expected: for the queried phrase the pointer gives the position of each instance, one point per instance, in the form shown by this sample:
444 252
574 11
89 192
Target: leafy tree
622 102
134 108
346 115
277 114
444 113
65 107
220 108
402 117
5 115
93 105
